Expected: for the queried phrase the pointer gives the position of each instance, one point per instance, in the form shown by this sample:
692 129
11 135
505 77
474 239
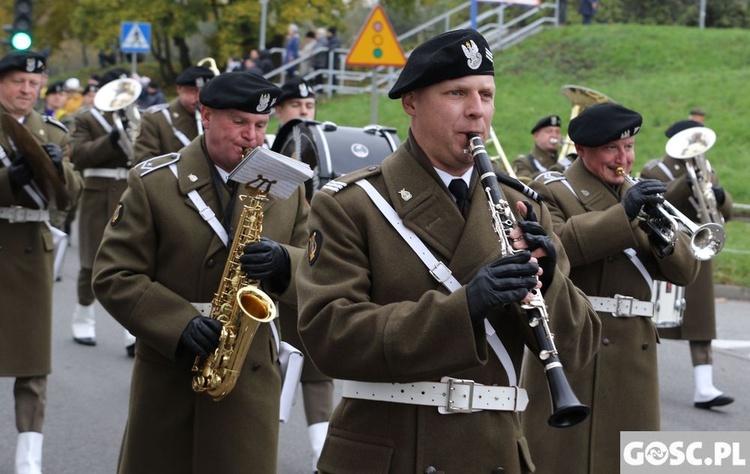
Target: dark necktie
460 191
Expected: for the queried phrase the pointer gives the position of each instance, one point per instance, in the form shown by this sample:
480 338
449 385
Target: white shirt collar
447 178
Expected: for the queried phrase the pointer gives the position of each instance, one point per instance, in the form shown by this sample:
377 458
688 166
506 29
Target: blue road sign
135 37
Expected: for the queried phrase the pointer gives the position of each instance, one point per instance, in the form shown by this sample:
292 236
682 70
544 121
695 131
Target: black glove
114 136
269 261
536 237
201 336
663 249
503 281
56 154
644 192
720 195
20 172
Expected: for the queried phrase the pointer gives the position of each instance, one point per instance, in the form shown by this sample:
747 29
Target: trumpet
706 240
566 409
119 97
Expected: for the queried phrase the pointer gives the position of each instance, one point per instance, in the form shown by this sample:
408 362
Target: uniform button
430 470
644 346
373 168
211 263
256 366
605 341
28 249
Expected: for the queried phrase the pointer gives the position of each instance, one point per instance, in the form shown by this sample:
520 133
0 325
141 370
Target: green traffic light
21 41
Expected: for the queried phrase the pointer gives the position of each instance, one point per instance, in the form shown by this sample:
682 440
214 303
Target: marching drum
331 150
669 304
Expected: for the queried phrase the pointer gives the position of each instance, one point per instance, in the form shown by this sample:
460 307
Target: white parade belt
203 308
23 214
112 173
623 306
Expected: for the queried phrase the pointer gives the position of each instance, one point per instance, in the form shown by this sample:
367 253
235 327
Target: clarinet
567 411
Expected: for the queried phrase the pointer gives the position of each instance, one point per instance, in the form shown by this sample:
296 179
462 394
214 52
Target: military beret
551 121
55 88
90 88
196 76
698 111
296 88
449 55
677 127
602 123
25 61
242 91
113 74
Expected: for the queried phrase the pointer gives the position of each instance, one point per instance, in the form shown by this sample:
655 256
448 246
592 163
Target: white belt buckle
450 405
441 272
18 214
623 306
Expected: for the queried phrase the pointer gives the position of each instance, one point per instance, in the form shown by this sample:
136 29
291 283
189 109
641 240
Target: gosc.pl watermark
684 452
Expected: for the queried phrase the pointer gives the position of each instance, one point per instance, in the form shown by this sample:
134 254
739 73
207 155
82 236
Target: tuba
119 97
581 97
238 304
691 145
500 154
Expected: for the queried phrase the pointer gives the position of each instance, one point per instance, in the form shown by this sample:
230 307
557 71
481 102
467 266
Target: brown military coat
26 259
527 167
370 311
157 256
156 135
699 319
92 148
621 384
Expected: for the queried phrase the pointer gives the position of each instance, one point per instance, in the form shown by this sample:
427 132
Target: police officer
27 252
699 320
614 259
104 165
543 156
371 312
160 257
166 128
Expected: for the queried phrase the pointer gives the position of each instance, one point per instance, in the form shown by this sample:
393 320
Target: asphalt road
88 391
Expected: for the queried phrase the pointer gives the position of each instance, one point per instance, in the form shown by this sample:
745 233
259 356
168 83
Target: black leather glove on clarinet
647 191
20 172
201 336
268 261
502 282
536 237
56 155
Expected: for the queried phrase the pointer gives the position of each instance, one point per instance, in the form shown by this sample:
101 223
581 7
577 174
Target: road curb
732 292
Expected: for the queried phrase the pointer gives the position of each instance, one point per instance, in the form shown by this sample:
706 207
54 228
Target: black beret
449 55
113 74
196 76
25 61
90 88
551 121
600 124
55 88
242 91
677 127
296 88
698 111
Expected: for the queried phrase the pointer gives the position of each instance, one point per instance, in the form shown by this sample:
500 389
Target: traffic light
21 35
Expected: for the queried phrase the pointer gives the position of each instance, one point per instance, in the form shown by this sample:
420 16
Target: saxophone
239 305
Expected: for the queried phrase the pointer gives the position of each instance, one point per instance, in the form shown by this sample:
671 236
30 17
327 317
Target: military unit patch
117 215
314 244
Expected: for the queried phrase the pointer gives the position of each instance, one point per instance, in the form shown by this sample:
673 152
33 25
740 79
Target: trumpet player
372 313
166 128
543 157
614 257
699 319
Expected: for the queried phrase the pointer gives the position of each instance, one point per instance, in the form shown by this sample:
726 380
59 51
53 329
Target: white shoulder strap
438 270
206 213
102 121
180 136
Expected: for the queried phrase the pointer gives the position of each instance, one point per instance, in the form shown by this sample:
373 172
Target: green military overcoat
26 261
621 383
371 311
527 167
699 318
157 257
156 135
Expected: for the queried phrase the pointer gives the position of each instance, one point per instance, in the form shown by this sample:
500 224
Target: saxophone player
699 319
160 262
364 292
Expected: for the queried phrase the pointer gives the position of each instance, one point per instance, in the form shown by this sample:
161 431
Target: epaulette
56 123
336 185
157 162
156 108
550 177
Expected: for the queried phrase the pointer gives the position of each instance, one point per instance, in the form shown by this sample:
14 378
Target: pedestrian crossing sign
376 44
135 37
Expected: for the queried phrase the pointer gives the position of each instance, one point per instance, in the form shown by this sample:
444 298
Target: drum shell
669 304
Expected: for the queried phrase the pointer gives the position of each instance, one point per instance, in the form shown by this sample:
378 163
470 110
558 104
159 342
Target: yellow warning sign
376 44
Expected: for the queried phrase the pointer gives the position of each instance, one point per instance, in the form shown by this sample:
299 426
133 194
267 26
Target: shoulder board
156 108
550 177
157 162
56 123
336 185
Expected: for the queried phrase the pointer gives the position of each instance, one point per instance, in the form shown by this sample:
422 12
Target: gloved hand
20 172
114 136
644 192
269 261
720 195
56 154
536 237
503 281
201 336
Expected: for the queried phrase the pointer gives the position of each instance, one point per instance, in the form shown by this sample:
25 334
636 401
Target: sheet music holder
271 172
